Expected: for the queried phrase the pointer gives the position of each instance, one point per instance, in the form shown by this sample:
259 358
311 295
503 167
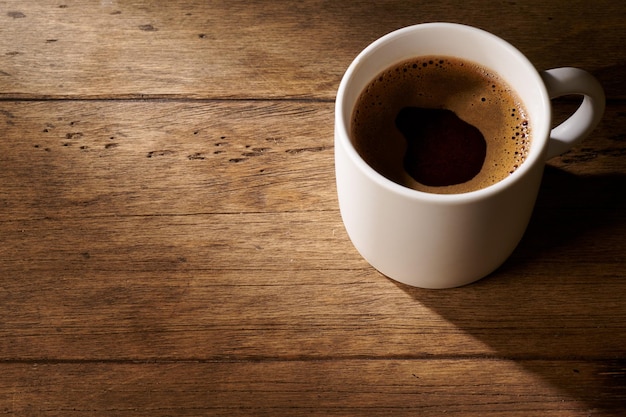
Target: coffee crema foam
475 94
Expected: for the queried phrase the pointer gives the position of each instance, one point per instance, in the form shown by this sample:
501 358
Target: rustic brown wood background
170 241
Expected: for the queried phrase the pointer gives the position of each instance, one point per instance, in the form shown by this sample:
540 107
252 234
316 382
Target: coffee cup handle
573 81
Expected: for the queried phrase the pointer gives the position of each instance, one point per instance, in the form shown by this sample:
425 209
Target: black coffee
440 125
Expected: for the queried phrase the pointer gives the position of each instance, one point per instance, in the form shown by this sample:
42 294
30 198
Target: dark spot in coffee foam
442 149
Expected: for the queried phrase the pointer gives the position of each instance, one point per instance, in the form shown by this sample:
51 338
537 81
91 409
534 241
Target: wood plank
337 388
247 49
111 158
140 158
73 313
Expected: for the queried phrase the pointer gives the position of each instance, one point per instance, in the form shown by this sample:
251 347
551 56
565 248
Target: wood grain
268 388
247 49
113 158
170 241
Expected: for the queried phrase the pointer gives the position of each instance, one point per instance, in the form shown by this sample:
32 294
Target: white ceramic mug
448 240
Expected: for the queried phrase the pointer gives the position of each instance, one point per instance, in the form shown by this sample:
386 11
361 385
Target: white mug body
439 240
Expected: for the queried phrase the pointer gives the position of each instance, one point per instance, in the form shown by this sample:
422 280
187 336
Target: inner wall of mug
448 39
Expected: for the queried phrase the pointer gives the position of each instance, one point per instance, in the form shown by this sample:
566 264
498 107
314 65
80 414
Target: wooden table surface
171 245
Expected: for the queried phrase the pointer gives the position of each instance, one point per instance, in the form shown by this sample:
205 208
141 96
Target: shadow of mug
552 307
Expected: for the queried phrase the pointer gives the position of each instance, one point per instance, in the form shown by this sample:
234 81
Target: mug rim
539 140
